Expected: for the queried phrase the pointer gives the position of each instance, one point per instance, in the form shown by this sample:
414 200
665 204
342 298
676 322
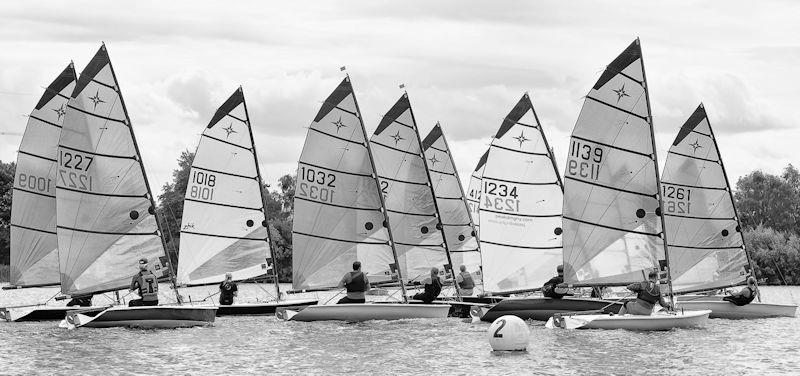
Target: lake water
266 345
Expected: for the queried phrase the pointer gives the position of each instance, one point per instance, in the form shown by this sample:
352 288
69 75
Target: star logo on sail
695 145
229 130
397 138
96 99
521 138
60 111
433 160
621 93
338 124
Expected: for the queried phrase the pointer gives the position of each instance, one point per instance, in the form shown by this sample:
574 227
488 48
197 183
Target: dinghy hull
365 312
726 310
656 322
541 309
261 308
43 313
157 317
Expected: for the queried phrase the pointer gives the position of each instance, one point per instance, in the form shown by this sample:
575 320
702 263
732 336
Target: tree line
768 206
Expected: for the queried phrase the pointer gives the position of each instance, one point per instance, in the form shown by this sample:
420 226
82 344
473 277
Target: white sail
474 192
400 163
520 205
105 211
612 219
459 229
338 216
706 247
34 245
224 226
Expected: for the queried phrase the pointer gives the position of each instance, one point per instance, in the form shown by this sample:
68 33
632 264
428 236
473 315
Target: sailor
227 290
357 285
745 296
554 288
648 293
433 286
83 301
465 282
146 285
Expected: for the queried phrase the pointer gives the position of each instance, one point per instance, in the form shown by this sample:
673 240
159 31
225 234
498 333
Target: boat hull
155 317
365 312
44 313
726 310
260 308
541 309
656 322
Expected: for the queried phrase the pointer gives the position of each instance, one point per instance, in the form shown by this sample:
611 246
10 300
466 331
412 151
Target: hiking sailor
227 290
433 286
465 282
554 288
357 285
146 285
745 296
648 293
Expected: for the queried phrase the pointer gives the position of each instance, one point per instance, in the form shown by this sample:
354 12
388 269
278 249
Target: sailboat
613 226
474 192
707 249
105 212
340 217
34 245
225 226
520 216
453 207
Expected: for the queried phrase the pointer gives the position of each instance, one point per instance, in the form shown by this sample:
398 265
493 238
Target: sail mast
382 200
439 225
146 183
263 201
658 179
733 203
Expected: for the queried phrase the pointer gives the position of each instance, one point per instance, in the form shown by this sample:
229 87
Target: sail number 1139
584 160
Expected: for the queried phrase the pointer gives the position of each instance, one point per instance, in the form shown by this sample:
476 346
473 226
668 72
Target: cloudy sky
464 63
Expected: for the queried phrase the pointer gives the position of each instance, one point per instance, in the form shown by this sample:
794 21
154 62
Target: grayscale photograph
375 187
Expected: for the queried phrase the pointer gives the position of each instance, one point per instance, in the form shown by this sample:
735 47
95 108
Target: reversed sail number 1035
584 160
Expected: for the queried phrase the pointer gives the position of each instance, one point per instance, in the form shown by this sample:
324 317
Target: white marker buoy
508 333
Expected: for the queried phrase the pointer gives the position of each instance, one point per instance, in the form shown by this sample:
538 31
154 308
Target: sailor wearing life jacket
648 293
146 285
465 282
357 285
745 296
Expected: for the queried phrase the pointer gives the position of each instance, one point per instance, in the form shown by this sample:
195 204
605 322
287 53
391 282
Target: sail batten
224 227
106 219
339 215
519 205
612 221
33 239
707 249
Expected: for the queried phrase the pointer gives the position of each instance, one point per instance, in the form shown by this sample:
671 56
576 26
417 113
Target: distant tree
287 183
776 255
769 200
170 207
7 171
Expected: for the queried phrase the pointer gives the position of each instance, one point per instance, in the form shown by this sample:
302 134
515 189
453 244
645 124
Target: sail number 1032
584 160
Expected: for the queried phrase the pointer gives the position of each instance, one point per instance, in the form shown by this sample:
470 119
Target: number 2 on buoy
497 333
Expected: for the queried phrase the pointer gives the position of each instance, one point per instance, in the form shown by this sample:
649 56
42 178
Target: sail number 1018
203 184
584 160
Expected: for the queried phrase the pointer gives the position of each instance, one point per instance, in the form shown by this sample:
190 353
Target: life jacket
740 300
468 282
148 286
357 282
549 288
651 293
433 289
